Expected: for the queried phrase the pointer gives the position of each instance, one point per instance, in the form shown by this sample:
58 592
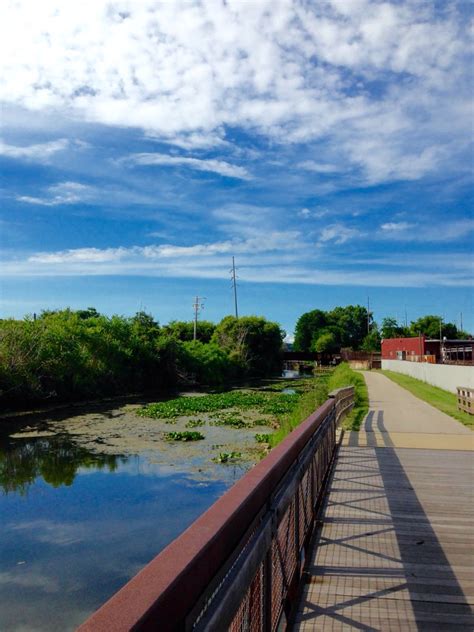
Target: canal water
87 499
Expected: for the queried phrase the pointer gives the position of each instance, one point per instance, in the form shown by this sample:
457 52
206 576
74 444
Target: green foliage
195 423
207 363
229 419
271 403
437 397
343 376
431 326
325 343
227 457
391 329
372 340
253 343
186 435
304 405
262 438
184 330
66 354
328 331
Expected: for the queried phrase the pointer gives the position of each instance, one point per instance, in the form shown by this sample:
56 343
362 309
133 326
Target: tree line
353 327
72 354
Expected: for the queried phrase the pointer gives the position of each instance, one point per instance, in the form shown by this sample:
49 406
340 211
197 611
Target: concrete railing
238 566
445 376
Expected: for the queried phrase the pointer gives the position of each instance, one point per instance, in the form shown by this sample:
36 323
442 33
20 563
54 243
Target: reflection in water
56 459
78 520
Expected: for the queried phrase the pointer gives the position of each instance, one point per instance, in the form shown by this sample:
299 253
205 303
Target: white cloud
318 167
446 231
338 234
58 194
211 261
395 227
387 83
38 153
215 166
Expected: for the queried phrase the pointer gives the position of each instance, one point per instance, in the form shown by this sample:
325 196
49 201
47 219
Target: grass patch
187 435
444 401
345 376
262 438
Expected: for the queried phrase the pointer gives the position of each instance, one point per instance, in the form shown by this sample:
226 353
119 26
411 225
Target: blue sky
327 146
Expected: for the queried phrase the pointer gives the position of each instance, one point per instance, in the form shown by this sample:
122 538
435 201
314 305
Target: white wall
447 376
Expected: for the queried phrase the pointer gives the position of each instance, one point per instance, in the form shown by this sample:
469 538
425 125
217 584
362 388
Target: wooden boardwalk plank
395 550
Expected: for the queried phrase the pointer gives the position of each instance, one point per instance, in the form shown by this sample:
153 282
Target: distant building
421 349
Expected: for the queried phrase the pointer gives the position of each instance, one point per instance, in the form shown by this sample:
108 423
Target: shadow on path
381 561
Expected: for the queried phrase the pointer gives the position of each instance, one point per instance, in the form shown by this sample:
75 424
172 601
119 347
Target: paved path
399 419
395 549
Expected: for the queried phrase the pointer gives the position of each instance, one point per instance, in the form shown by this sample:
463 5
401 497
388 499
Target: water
80 514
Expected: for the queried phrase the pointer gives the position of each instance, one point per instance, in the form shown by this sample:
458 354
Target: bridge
363 531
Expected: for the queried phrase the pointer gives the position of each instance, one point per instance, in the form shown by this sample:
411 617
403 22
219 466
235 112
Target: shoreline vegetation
443 400
66 355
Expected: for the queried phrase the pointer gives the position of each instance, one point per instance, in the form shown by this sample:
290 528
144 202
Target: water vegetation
227 457
186 435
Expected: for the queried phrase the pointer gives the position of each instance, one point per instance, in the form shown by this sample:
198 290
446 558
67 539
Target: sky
326 145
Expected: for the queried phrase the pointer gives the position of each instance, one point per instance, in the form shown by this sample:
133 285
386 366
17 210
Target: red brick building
419 349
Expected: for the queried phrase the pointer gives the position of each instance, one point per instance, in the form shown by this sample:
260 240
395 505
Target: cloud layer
378 78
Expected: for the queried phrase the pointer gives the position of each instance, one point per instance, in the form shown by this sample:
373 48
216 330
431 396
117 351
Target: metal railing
238 566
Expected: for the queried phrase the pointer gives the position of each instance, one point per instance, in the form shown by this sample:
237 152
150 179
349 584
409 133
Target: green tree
430 326
372 340
253 343
307 327
325 343
391 329
184 330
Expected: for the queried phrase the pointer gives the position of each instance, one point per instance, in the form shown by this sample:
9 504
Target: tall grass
345 376
310 400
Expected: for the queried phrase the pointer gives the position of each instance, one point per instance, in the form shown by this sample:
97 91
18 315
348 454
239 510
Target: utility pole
234 285
198 305
461 323
368 315
406 319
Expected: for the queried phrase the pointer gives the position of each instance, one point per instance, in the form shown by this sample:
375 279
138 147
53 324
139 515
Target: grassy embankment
345 376
324 383
444 401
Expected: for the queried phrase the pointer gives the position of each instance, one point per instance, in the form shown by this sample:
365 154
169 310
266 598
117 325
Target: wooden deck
395 550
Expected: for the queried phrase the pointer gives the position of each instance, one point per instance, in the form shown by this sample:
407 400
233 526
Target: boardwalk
395 550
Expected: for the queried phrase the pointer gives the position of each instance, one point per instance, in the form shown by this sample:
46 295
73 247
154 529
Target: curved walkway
395 549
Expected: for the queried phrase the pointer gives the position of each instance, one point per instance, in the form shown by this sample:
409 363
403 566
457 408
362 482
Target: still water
80 515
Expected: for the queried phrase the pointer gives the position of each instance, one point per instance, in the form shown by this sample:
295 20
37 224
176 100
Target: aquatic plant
227 457
262 438
186 435
195 423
